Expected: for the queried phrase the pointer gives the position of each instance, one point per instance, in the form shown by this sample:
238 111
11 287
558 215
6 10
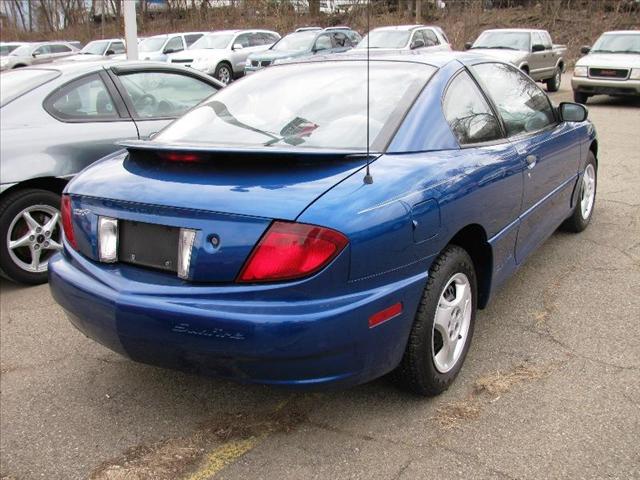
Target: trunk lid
229 195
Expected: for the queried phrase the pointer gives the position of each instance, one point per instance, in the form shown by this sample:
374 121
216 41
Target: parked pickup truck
530 50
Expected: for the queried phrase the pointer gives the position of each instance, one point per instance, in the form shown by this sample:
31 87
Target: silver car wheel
33 236
588 191
224 74
451 323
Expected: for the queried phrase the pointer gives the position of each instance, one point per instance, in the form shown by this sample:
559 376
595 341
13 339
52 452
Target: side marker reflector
386 314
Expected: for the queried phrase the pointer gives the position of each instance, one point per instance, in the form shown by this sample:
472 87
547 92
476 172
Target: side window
43 50
271 38
430 38
191 38
323 42
256 39
468 113
340 40
162 94
117 47
175 45
243 40
60 49
354 37
536 39
417 35
523 106
85 99
546 40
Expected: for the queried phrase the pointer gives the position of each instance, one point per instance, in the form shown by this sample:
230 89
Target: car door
537 60
550 150
157 97
42 54
90 118
494 175
239 55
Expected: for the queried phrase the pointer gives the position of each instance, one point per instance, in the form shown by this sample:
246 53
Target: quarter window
163 95
468 113
523 106
85 99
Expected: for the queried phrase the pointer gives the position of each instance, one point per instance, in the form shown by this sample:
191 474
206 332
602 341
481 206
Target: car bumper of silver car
604 86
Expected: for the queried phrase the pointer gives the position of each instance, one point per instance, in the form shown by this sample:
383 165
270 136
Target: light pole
130 29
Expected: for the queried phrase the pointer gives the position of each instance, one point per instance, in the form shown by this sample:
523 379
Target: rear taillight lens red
288 251
67 224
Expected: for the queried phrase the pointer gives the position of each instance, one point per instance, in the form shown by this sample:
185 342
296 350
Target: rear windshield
18 82
313 105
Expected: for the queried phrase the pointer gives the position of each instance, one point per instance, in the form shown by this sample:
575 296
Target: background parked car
56 121
406 37
307 41
99 50
223 54
611 67
7 47
532 51
157 48
36 54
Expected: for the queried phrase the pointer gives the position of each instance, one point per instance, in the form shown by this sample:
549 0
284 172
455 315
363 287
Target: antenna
368 179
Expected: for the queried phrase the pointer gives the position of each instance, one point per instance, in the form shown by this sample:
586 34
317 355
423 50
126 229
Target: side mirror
110 52
169 50
467 45
34 54
237 46
417 44
585 49
572 112
537 47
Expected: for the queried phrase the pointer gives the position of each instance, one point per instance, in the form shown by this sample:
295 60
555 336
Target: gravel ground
550 389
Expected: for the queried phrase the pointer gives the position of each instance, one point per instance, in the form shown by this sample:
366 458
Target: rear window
18 82
313 105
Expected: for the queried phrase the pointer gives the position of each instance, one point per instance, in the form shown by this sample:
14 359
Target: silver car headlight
4 62
580 71
635 74
247 63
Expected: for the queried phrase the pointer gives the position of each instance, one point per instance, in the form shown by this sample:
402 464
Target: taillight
289 251
67 224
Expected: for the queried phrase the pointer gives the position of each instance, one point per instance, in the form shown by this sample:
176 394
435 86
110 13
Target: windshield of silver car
385 39
152 44
617 43
216 40
95 48
296 42
504 40
297 106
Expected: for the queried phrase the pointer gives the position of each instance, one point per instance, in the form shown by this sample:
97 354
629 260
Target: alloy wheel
224 75
588 194
34 235
451 323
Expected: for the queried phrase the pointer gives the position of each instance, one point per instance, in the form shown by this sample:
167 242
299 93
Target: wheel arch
52 184
473 239
593 148
525 68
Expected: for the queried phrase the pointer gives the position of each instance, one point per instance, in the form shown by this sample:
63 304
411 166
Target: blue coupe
325 222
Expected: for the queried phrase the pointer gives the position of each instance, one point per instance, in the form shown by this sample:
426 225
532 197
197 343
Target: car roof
434 59
107 40
400 27
523 30
634 32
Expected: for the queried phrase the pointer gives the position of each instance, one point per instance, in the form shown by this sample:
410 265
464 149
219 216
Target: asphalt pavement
550 388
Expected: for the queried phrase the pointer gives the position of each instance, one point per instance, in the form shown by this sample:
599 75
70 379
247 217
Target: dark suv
304 42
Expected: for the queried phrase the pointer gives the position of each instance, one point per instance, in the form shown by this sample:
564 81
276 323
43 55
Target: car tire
424 369
25 263
580 97
553 83
223 73
583 209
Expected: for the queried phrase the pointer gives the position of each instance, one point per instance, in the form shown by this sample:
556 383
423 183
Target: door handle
531 161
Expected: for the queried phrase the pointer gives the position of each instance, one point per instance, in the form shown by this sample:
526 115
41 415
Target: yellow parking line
223 456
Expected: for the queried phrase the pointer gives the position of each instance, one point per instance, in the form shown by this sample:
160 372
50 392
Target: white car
36 54
157 48
223 54
611 67
406 37
100 50
7 47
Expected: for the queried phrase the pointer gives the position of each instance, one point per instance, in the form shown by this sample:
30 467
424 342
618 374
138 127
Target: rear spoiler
201 153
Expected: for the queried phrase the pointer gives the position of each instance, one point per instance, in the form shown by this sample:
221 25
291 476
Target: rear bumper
598 86
238 332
